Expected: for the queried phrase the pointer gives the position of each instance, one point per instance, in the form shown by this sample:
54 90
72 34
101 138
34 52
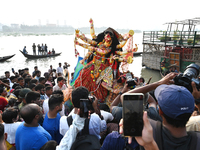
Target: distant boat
137 53
39 56
2 59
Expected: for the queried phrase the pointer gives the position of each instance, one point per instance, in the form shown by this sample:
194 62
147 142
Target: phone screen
84 108
133 114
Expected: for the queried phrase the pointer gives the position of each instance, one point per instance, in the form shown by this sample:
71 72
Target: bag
84 141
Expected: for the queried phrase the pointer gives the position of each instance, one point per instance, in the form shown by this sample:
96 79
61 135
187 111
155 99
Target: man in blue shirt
52 118
30 135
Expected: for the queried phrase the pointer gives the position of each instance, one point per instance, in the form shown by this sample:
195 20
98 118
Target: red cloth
87 81
3 103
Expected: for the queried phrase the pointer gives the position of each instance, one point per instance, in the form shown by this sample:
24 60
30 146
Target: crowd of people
35 114
42 50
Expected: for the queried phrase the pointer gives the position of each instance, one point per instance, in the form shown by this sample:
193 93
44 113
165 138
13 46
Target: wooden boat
180 47
2 59
39 56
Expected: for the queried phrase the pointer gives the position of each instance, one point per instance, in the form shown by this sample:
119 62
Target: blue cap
174 100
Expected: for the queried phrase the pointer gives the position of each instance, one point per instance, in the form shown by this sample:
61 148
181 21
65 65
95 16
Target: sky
118 14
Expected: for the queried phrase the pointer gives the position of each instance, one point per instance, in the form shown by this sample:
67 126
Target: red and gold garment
85 78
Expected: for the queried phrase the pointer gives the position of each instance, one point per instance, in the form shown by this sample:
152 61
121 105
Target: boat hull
39 56
2 59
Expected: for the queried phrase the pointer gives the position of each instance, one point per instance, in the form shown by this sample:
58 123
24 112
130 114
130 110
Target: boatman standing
34 49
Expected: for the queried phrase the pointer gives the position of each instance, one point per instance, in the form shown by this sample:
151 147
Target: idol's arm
92 32
85 39
131 32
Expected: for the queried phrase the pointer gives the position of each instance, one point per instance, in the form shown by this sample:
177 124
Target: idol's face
107 37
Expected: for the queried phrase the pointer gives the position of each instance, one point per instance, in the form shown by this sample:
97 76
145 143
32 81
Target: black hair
142 79
9 114
41 79
13 77
179 121
58 92
1 132
59 79
34 81
20 78
24 75
7 72
15 85
28 113
78 93
6 81
27 80
31 96
12 101
32 85
103 106
50 145
48 88
39 87
16 92
55 100
37 71
1 89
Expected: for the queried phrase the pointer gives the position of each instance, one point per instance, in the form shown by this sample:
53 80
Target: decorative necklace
93 66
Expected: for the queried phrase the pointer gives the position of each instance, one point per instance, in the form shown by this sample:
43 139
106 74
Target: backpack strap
158 137
193 142
69 120
85 130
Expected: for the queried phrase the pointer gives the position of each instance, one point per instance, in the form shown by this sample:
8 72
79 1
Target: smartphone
133 107
13 70
84 108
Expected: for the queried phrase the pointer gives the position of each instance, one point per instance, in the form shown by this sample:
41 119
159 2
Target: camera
129 80
190 75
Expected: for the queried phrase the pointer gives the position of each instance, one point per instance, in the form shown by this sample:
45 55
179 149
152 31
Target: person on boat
101 59
34 49
39 49
42 49
45 49
53 51
24 50
49 53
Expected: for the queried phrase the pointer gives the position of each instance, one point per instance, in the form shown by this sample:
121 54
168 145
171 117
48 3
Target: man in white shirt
46 105
60 69
96 124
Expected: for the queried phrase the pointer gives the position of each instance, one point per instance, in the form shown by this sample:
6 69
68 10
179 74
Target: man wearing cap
22 95
176 104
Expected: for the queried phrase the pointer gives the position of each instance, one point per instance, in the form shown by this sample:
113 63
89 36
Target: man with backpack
93 126
176 104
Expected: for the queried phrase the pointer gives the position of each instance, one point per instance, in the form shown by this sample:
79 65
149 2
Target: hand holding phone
84 108
133 107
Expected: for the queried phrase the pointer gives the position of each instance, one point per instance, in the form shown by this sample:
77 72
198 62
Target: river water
61 43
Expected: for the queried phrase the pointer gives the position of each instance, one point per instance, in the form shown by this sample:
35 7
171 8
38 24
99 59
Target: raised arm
85 39
92 32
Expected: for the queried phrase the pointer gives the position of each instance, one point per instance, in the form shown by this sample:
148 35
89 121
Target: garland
100 68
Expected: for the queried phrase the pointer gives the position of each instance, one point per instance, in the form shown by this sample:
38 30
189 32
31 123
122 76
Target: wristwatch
120 93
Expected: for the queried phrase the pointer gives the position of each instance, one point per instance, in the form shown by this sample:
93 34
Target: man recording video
96 124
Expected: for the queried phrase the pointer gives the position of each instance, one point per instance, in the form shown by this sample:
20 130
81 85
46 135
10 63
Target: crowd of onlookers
42 112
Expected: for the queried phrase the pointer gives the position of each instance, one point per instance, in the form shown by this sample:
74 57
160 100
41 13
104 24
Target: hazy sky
132 14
